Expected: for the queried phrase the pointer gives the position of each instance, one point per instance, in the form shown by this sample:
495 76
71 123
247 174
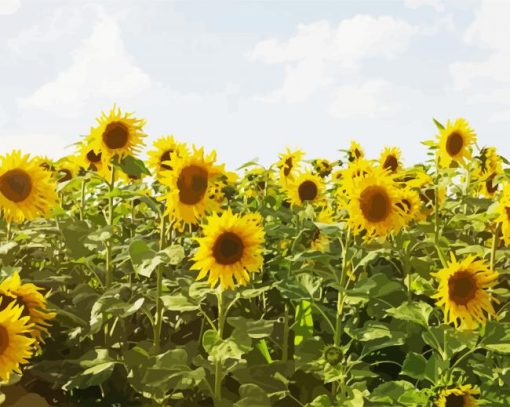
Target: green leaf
254 329
139 251
7 247
148 266
414 366
438 125
417 312
133 166
303 327
390 392
435 368
497 337
178 302
175 254
252 395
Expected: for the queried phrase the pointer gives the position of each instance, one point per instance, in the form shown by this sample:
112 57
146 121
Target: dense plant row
177 282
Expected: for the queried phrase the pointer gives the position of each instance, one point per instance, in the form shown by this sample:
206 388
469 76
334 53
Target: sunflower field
174 281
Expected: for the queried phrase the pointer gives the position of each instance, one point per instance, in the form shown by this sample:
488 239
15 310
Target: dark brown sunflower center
287 166
66 175
462 287
116 135
4 339
307 191
16 185
507 211
228 248
165 157
92 157
454 144
453 400
428 196
192 184
375 204
391 163
490 185
5 300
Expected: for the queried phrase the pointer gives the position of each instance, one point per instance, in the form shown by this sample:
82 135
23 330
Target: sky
249 78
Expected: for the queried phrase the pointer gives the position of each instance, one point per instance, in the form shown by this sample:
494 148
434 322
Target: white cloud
489 31
320 53
102 71
371 99
437 5
8 7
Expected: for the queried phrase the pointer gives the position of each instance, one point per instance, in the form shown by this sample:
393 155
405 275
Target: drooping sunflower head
256 181
117 134
33 304
373 205
462 292
66 169
455 142
355 152
27 190
490 165
230 249
504 213
289 163
390 159
320 241
15 345
190 183
322 167
410 205
460 396
166 149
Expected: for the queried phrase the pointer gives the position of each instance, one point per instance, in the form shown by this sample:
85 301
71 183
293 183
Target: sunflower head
320 241
462 292
455 141
27 190
390 159
66 169
289 163
166 149
460 396
306 188
355 152
33 304
373 204
117 134
15 345
489 166
504 213
230 249
333 355
410 205
191 183
322 167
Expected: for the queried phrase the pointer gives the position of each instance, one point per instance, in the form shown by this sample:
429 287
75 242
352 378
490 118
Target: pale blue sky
251 77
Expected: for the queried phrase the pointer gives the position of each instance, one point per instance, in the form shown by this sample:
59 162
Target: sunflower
66 169
230 249
165 149
410 205
455 142
191 182
289 163
390 159
256 181
461 396
15 346
33 303
27 191
117 134
504 214
355 152
90 159
373 204
462 292
353 173
322 167
307 187
489 167
320 241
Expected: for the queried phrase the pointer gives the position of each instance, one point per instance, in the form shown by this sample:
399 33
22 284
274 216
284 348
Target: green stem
218 373
286 332
111 207
82 199
159 290
9 231
494 248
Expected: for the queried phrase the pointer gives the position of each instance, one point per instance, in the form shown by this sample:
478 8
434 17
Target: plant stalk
159 291
111 207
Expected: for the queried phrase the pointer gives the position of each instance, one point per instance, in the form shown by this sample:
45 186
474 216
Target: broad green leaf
417 312
303 327
414 366
178 302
